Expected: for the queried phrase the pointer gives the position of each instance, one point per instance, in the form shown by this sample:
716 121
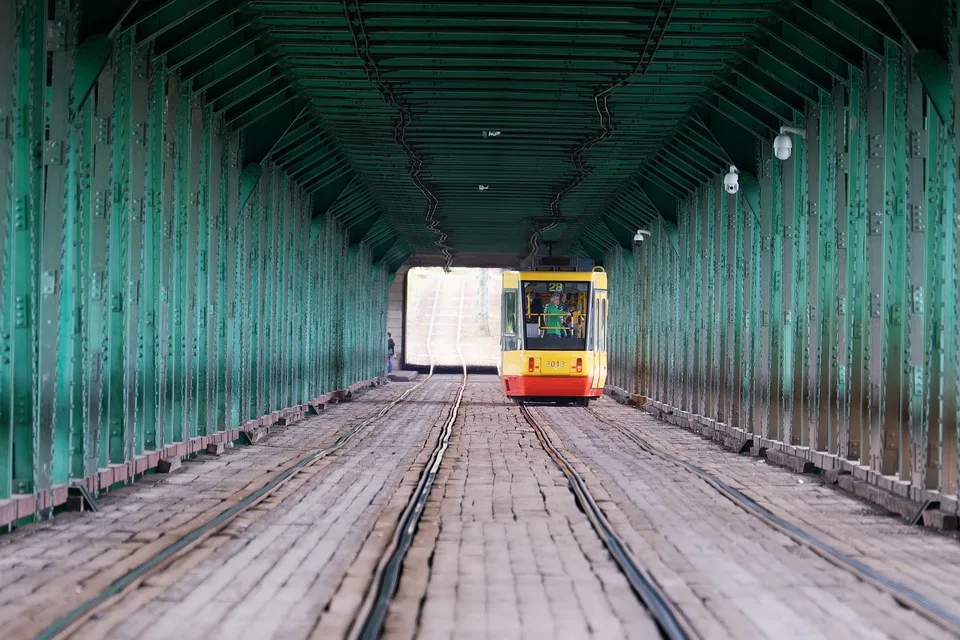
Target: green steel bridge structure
205 202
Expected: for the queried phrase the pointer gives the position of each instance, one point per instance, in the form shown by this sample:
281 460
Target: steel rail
372 614
68 624
667 616
904 595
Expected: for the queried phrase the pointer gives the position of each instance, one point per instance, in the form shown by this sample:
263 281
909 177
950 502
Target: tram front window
555 315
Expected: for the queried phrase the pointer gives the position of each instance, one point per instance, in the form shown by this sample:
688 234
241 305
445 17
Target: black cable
399 132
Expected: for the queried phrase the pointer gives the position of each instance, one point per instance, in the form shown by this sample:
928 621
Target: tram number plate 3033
556 364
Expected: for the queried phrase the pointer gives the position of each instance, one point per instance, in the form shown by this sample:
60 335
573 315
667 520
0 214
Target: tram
553 338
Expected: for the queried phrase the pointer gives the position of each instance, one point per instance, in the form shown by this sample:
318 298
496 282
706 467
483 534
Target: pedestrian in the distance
390 350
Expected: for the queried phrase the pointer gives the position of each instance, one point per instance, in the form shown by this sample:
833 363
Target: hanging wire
602 106
404 119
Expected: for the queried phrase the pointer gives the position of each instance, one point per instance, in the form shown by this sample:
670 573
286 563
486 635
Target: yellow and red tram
554 332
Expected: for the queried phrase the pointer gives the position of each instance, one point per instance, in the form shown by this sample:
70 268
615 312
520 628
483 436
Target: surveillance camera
731 181
782 146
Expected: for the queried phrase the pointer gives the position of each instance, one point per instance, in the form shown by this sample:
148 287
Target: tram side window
510 341
555 315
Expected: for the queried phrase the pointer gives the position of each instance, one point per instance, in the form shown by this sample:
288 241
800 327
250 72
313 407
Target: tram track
668 617
903 595
369 620
188 541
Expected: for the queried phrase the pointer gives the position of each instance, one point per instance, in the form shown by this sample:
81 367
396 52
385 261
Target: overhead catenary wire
602 106
404 119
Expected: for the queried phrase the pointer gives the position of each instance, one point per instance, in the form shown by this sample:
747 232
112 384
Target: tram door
599 372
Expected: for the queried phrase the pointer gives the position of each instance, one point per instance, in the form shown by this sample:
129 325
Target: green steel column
311 381
803 227
297 274
335 264
95 268
269 309
676 332
661 310
233 242
217 363
179 285
284 302
339 270
643 315
893 416
79 199
939 146
853 311
194 254
349 323
25 230
821 239
732 310
719 212
280 311
114 436
949 315
766 337
705 298
169 334
154 246
256 215
842 323
58 259
9 42
302 279
785 272
688 269
203 189
749 342
695 336
323 313
877 96
918 257
138 85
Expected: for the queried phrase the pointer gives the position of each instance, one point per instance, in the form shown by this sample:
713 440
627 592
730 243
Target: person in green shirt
553 317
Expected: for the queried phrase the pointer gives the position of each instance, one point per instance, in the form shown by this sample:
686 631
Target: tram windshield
555 315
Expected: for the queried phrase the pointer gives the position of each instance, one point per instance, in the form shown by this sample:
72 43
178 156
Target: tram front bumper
550 386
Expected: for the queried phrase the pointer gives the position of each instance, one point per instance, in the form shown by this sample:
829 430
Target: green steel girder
812 31
91 56
181 18
797 89
221 63
206 35
238 36
834 16
324 199
922 29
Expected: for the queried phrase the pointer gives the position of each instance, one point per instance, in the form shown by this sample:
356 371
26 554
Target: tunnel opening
452 318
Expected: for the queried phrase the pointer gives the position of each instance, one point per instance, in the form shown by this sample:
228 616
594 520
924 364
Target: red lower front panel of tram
550 387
